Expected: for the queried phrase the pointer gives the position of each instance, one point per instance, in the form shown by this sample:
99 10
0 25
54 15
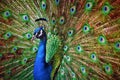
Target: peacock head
39 33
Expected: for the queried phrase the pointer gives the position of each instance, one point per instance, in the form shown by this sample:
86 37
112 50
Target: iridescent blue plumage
42 70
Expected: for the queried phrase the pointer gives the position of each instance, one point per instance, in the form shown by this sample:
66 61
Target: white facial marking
40 33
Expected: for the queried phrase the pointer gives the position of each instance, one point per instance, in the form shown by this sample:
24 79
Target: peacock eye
65 48
62 70
14 49
57 2
7 13
25 18
102 40
28 35
62 20
79 49
86 28
72 10
73 75
24 60
93 57
43 5
53 21
106 8
83 70
88 5
117 46
34 49
7 35
68 58
70 32
108 69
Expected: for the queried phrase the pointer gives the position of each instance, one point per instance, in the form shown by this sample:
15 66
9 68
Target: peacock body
79 41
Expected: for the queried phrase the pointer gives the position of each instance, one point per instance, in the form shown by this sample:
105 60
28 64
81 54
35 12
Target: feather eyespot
108 69
34 49
14 49
62 20
79 49
57 2
117 46
89 5
25 17
43 5
7 14
62 72
83 70
72 10
53 21
102 40
70 32
25 59
7 35
93 56
28 36
86 28
106 8
73 74
68 58
65 48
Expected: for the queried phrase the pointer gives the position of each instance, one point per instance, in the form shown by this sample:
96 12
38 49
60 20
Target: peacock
59 39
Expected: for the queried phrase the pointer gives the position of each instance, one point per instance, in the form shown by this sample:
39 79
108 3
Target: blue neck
42 70
41 54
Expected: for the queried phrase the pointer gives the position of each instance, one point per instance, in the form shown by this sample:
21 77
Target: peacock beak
33 38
